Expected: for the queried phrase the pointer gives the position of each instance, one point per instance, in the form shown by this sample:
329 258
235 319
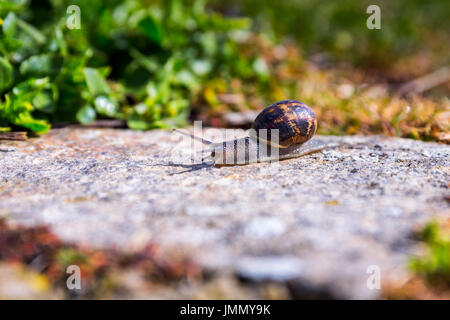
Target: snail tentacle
202 140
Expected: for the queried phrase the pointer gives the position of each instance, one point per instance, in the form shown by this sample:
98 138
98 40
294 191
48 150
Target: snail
281 131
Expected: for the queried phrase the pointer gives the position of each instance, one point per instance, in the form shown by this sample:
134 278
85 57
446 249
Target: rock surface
325 217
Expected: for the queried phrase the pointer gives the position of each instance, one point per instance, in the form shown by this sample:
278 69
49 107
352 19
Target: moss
435 265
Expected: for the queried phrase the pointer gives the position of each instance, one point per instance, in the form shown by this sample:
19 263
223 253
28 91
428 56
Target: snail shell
281 131
295 121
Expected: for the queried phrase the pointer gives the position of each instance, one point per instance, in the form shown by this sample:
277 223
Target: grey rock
338 211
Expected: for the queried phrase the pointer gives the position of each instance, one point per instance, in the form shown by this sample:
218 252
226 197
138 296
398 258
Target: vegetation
410 29
41 251
430 278
435 265
130 60
153 64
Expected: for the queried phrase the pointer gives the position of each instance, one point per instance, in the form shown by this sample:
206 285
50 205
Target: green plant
435 265
142 62
153 63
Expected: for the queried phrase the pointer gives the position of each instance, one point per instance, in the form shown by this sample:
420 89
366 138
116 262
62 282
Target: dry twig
425 83
20 136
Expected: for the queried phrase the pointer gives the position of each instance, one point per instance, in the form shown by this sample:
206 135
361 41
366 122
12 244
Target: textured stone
336 212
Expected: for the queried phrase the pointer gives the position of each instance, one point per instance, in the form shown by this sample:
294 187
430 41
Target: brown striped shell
295 121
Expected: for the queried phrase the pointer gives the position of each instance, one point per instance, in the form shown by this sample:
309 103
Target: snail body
281 131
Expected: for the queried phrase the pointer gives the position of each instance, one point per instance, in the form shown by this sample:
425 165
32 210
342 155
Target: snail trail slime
281 131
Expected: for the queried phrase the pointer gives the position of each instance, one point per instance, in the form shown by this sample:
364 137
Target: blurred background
153 64
161 64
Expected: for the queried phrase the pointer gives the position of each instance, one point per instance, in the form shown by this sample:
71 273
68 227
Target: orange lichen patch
24 244
38 248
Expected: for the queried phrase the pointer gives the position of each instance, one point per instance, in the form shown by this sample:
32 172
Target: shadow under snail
281 131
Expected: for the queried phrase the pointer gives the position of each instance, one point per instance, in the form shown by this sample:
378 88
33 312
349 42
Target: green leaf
5 107
25 91
95 82
261 68
25 119
151 29
7 6
175 107
17 111
5 74
58 43
31 31
149 64
86 115
44 101
105 105
12 23
42 65
137 123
